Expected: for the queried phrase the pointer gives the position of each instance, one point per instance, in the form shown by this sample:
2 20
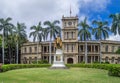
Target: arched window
118 59
25 60
35 58
106 59
112 60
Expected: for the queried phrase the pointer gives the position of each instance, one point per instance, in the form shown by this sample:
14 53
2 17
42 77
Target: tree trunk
3 48
37 51
17 53
50 51
100 52
86 58
9 55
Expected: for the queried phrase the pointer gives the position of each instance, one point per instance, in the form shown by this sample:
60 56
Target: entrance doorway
70 60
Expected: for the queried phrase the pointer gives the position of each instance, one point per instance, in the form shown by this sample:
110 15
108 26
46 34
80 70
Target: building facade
74 50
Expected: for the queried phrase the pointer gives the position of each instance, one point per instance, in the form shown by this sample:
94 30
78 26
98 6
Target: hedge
113 69
0 68
21 66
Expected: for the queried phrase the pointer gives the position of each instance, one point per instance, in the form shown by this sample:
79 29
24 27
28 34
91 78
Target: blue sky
31 12
112 7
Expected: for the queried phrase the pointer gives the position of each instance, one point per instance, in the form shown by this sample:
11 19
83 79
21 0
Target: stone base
58 65
58 68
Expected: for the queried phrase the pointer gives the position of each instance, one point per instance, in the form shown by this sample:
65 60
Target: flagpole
70 10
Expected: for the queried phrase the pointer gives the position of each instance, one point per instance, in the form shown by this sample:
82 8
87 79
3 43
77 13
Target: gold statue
58 43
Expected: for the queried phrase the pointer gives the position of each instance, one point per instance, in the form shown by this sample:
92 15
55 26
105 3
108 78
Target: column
48 48
43 49
91 59
94 48
94 58
98 58
91 47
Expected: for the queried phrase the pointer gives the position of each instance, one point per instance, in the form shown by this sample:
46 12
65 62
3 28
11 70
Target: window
24 50
35 58
106 59
106 48
45 49
112 48
81 48
72 47
118 59
74 24
92 48
96 48
112 60
67 35
30 50
67 47
72 34
52 48
118 47
65 24
35 48
89 48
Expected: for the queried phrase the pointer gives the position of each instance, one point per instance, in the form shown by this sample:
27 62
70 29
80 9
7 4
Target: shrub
0 68
40 62
118 51
114 71
96 62
20 66
107 62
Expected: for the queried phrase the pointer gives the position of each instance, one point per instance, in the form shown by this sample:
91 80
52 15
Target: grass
44 75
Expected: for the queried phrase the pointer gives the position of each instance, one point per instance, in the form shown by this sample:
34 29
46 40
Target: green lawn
44 75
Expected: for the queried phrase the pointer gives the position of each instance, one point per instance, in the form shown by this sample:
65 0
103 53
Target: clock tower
70 39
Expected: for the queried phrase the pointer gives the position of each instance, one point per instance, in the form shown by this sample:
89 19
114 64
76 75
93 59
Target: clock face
69 23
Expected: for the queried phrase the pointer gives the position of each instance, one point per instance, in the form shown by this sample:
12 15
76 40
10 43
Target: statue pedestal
58 60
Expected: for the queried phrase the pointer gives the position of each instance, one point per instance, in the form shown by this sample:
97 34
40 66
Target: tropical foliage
6 28
53 30
115 28
101 32
13 36
84 34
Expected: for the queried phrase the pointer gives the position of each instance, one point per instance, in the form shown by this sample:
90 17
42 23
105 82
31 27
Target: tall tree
101 32
115 23
45 33
84 34
37 35
20 34
5 27
53 30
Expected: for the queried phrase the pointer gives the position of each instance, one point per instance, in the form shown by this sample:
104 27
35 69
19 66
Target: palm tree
100 32
5 27
20 34
37 35
115 23
45 33
53 30
84 34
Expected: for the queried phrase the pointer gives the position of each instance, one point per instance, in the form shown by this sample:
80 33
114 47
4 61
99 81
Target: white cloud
114 37
32 11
